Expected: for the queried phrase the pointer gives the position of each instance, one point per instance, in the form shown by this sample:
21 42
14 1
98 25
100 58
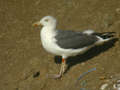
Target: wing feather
74 40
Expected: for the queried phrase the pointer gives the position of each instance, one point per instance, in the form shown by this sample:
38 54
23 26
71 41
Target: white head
46 21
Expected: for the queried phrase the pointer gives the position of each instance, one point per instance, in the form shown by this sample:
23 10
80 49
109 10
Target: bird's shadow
71 61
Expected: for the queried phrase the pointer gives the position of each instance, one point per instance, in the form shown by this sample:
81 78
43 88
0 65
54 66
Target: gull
66 43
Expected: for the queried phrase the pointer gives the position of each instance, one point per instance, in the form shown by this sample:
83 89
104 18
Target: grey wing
74 40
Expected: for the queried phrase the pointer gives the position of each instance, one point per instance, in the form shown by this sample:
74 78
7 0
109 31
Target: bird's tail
104 37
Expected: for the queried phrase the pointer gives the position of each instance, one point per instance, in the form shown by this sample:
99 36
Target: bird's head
46 21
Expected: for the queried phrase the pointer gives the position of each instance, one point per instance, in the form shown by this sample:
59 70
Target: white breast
48 41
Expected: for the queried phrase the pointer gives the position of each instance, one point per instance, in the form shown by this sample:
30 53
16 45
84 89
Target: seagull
66 43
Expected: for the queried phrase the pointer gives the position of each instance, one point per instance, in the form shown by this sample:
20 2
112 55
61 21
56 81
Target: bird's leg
62 70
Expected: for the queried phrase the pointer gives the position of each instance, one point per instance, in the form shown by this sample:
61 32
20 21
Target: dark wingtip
105 35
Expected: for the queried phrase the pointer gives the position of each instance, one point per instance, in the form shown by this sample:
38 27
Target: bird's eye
46 20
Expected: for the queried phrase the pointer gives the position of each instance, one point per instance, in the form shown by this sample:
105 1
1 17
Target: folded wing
74 40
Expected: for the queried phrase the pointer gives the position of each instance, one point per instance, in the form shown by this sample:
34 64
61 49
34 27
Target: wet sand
24 64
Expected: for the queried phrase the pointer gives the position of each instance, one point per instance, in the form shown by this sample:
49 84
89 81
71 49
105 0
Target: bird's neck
49 28
48 31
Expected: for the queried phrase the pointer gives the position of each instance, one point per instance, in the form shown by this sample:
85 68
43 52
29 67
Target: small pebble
117 85
36 74
104 86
